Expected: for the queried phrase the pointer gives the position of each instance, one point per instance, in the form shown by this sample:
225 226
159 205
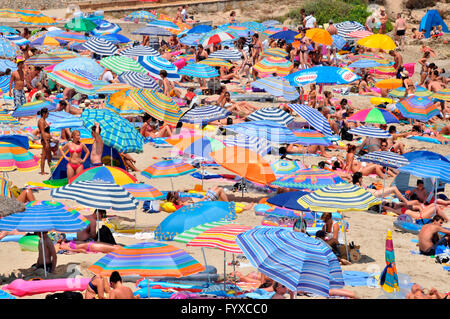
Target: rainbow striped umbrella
197 145
140 16
111 174
8 13
168 168
71 37
271 31
43 60
9 130
113 88
311 178
63 53
31 108
82 63
14 157
419 108
374 115
121 104
28 12
154 64
420 91
216 62
270 65
443 95
147 259
119 64
71 80
310 137
389 277
193 232
6 118
143 191
198 70
157 105
275 52
285 167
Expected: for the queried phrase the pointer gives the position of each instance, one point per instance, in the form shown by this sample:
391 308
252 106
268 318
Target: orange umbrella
389 84
245 163
318 35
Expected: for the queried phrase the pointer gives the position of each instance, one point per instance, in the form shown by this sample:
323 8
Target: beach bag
345 136
151 206
105 236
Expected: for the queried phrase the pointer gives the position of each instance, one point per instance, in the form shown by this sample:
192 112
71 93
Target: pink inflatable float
20 287
180 63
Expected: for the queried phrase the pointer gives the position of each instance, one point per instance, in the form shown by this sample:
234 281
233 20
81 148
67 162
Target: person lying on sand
83 247
416 211
417 292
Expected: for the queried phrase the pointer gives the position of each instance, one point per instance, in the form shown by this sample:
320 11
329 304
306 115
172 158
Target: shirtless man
18 82
90 232
50 253
383 21
400 30
429 236
398 62
97 146
119 291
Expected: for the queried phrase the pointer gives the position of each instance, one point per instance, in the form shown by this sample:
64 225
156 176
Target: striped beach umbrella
62 119
216 38
428 169
255 144
385 159
143 192
364 63
401 91
110 174
153 31
309 179
168 168
98 195
216 62
43 60
374 115
193 232
370 131
277 86
63 53
117 132
106 27
147 259
271 65
120 103
204 114
140 16
139 50
71 37
227 54
389 277
157 105
7 64
313 117
359 34
80 24
11 130
310 137
346 27
285 167
17 39
72 80
4 83
419 108
272 131
271 114
7 119
119 64
378 41
8 13
200 146
82 63
276 52
14 157
154 64
191 39
138 80
443 95
293 259
163 24
338 41
113 88
198 70
100 46
31 108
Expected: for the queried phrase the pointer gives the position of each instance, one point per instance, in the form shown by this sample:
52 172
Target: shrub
420 4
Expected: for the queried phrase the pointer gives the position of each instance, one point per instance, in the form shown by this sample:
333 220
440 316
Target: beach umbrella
193 215
275 52
140 16
277 86
252 143
40 20
10 130
43 60
204 114
198 70
359 34
110 174
154 64
293 259
193 232
216 38
318 35
374 115
389 84
227 54
370 131
105 28
143 192
8 49
138 80
168 168
119 64
7 64
114 38
63 53
191 39
420 91
62 119
153 31
287 35
310 137
268 130
271 30
116 132
7 29
163 24
139 50
270 65
377 41
313 117
389 277
16 39
271 114
201 28
100 46
288 200
31 108
9 205
82 63
364 63
4 83
7 119
443 95
120 103
200 146
114 88
28 12
322 75
419 108
5 295
286 167
338 41
309 179
47 41
157 105
72 80
346 27
70 37
80 24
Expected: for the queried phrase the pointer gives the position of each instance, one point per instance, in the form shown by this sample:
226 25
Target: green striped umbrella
193 232
120 64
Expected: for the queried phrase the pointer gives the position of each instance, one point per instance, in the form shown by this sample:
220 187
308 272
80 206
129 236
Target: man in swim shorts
18 82
97 146
429 236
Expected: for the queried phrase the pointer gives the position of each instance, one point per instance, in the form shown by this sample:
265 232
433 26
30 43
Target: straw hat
10 206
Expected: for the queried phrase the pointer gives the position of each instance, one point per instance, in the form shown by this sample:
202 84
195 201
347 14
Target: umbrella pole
382 192
345 237
224 271
43 254
435 194
234 275
148 287
98 233
204 259
135 220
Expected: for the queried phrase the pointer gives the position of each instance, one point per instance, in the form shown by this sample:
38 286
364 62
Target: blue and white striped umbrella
365 63
97 194
62 119
138 80
86 74
82 63
198 70
204 114
313 117
370 131
106 28
139 50
4 83
269 130
294 259
255 144
385 159
154 31
17 39
154 64
45 216
227 54
347 27
7 64
271 114
429 169
166 24
191 39
277 86
338 41
100 46
115 38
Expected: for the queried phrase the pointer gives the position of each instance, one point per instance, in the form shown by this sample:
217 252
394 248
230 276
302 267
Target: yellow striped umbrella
443 95
271 64
8 13
276 52
113 87
216 62
121 103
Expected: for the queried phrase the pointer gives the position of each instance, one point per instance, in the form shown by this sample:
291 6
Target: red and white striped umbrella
359 34
217 38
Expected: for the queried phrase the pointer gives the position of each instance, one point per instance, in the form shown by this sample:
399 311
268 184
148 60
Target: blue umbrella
163 24
7 29
288 35
115 38
31 109
273 114
86 64
138 80
259 145
365 63
100 46
198 70
17 39
193 215
154 64
8 49
105 27
429 169
293 259
338 41
4 82
370 131
322 75
139 50
288 200
313 117
5 295
424 155
7 64
277 86
62 119
155 31
201 28
191 39
204 114
386 159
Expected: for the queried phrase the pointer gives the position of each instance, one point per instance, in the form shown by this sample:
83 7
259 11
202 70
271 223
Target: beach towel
425 139
360 279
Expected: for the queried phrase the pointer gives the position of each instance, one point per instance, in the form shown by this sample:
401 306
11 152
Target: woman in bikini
85 247
256 48
98 286
364 89
75 147
354 166
424 67
419 211
44 131
151 128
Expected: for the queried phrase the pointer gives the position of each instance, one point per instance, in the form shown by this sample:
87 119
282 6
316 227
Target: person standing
370 23
184 13
302 18
398 63
310 21
383 20
44 131
400 27
97 146
18 82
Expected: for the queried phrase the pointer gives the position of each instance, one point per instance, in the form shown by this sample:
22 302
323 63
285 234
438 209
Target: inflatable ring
34 146
29 243
239 207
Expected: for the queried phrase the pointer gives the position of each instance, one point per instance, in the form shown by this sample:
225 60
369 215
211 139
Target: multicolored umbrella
193 232
310 179
443 95
374 115
111 174
63 54
227 54
147 259
419 108
86 64
143 192
47 41
389 277
14 157
154 64
114 88
322 75
313 117
286 167
157 105
271 65
311 137
139 50
31 108
80 24
7 119
10 130
100 46
198 70
121 104
288 200
370 131
8 49
43 60
295 260
271 114
140 16
168 168
204 114
275 52
116 132
16 39
106 27
216 38
277 86
119 64
71 37
200 146
420 91
72 80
